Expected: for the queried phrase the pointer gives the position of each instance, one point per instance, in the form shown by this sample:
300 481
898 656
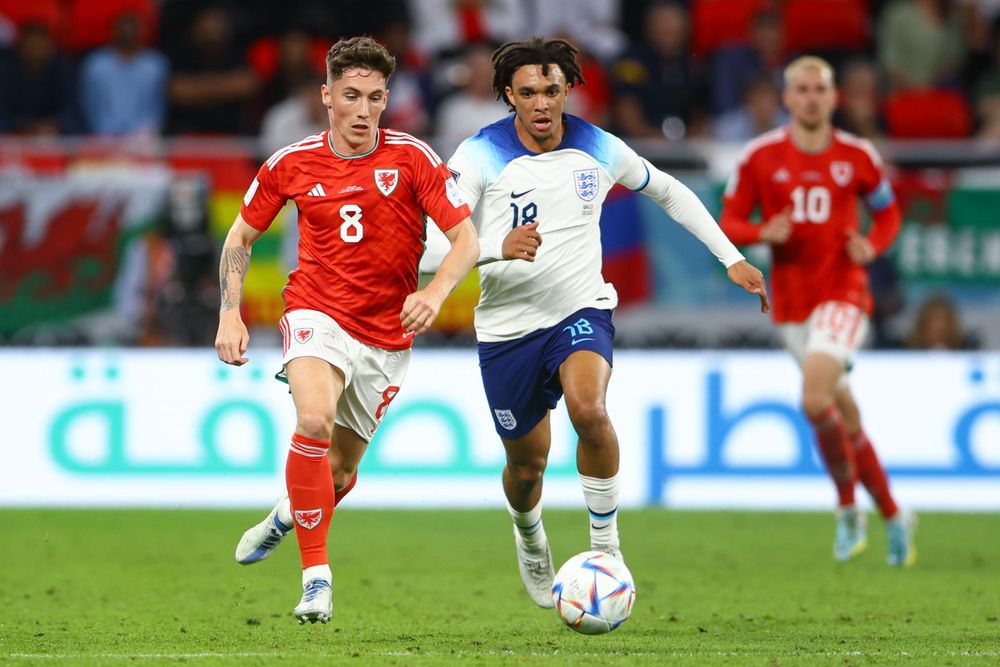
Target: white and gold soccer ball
593 592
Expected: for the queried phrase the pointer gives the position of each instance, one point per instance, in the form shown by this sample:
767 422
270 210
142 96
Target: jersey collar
517 146
378 140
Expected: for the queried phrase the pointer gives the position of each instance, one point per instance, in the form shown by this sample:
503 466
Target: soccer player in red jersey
351 305
807 178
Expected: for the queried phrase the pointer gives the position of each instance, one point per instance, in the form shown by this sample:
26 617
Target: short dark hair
358 52
535 51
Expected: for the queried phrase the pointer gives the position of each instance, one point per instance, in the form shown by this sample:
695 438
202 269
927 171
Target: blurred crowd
666 69
654 68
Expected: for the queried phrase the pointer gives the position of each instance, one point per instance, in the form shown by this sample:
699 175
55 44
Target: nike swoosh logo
596 527
580 340
515 195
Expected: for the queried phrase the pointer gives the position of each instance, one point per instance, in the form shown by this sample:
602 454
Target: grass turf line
441 587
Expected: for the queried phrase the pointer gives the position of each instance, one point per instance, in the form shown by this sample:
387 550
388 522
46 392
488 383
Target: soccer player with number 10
807 179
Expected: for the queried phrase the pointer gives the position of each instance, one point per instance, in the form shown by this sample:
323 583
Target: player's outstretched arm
421 307
232 338
749 277
684 206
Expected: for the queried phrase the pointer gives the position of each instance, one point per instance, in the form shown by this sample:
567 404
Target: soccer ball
593 592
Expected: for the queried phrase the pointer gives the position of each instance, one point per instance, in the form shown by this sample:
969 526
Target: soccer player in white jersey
544 327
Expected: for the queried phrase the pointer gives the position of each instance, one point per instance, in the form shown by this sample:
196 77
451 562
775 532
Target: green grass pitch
441 588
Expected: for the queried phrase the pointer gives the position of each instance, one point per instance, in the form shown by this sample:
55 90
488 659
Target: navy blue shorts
521 377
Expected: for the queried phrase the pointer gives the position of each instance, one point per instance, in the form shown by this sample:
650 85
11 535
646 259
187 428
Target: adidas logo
781 176
317 191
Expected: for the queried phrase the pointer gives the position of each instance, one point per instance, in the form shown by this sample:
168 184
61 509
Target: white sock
601 496
317 572
529 526
285 511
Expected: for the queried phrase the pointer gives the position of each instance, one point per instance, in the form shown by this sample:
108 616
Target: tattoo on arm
235 261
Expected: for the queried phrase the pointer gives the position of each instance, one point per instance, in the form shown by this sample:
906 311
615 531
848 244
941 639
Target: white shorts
834 328
372 375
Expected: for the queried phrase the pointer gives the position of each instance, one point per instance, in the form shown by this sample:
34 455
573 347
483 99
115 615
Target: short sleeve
438 194
464 170
264 198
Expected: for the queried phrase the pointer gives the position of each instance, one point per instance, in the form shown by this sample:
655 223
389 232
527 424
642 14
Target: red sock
837 452
340 493
872 475
310 488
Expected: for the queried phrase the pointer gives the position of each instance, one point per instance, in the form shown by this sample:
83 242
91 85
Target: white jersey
563 190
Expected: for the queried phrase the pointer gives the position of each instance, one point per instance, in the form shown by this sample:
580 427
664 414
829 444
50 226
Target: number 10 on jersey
811 204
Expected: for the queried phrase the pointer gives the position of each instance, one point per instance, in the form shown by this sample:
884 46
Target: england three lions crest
587 183
386 180
841 172
506 419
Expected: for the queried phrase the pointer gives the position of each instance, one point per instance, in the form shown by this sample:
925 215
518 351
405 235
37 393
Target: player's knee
849 411
527 472
587 415
852 420
815 403
316 424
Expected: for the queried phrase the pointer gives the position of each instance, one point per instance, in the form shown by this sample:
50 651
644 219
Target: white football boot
899 529
316 603
851 537
536 570
259 541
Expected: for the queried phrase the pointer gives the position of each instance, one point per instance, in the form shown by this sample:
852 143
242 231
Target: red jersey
821 192
361 226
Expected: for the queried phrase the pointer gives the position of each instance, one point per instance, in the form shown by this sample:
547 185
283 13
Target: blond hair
807 62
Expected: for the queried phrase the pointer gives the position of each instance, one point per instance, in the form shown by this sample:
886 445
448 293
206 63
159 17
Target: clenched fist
522 242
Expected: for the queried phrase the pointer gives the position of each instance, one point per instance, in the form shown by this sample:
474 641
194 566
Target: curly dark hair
361 52
535 51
